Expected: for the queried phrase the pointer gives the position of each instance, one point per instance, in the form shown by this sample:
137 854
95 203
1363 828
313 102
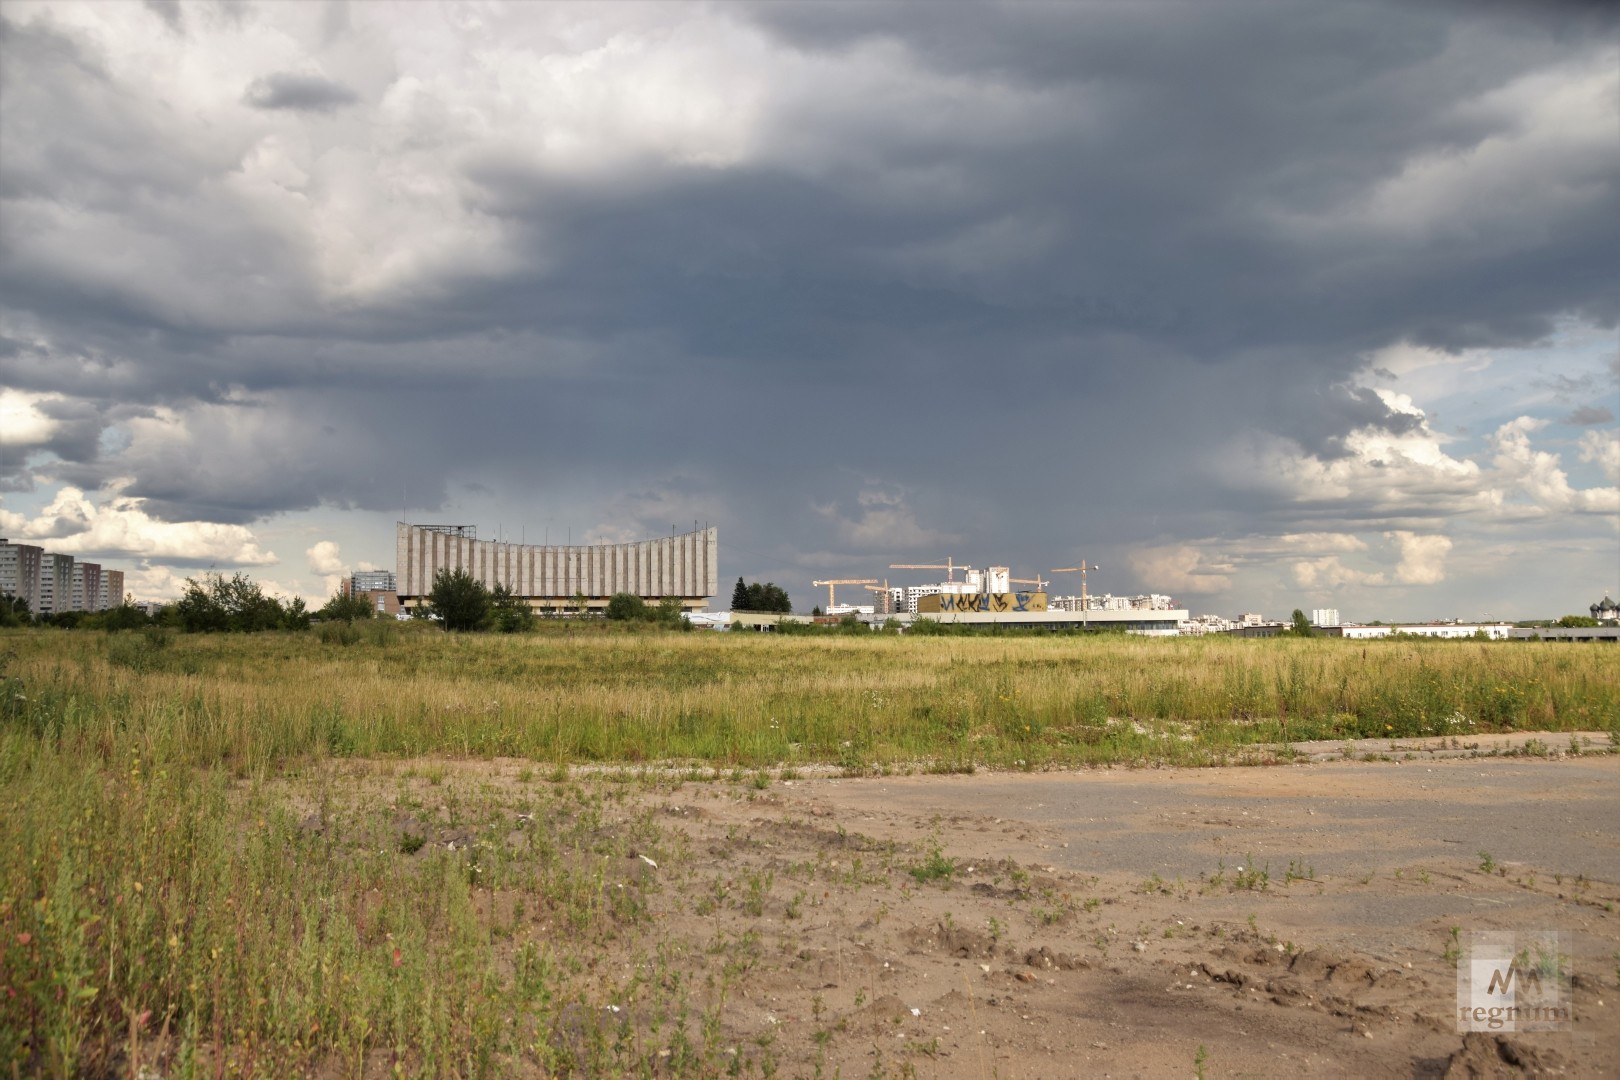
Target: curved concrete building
551 576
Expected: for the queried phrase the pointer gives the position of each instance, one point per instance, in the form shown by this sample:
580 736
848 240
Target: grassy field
183 867
250 703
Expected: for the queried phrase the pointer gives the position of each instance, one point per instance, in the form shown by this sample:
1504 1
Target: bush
459 600
345 609
235 604
626 607
508 612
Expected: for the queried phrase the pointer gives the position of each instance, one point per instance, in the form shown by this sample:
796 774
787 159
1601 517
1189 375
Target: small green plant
410 843
1453 949
1252 878
936 866
1487 864
759 887
1298 871
1200 1059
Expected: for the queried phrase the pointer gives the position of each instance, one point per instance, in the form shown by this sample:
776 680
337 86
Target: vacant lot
455 856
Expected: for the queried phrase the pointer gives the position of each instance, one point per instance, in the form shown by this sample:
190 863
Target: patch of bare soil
1283 921
949 945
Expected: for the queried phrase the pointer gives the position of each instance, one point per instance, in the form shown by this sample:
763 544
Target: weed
1453 949
1251 877
1487 864
936 866
1200 1059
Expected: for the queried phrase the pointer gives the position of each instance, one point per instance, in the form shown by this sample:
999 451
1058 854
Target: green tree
235 604
626 607
739 597
770 597
1301 626
1578 620
509 613
125 616
459 600
342 608
670 612
13 610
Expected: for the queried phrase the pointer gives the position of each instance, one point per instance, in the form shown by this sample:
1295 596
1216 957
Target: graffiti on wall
997 603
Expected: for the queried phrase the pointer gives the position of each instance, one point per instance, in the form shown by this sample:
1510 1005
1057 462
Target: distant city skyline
1260 306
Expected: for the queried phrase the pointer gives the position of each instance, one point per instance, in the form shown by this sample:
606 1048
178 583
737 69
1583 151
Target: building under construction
556 577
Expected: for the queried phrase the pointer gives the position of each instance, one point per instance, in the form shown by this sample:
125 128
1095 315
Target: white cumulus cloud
1423 558
72 523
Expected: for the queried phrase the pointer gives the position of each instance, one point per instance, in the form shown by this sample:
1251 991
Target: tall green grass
757 700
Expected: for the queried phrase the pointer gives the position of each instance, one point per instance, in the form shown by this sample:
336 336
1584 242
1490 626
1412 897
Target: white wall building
1494 631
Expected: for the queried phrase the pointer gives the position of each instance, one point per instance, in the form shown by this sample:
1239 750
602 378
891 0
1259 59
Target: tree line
753 596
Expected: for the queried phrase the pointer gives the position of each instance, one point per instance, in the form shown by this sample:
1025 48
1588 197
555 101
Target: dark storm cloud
1063 253
302 93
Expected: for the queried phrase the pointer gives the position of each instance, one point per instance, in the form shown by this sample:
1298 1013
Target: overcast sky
1259 305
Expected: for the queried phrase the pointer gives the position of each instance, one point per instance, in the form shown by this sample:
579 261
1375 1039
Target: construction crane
948 566
1035 581
1085 608
882 590
832 585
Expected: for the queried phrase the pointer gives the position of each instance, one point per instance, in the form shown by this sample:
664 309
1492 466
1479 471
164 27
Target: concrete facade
86 586
55 583
112 589
551 576
19 572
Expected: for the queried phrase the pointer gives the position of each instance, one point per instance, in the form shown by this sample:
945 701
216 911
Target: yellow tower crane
948 566
886 607
1085 608
832 585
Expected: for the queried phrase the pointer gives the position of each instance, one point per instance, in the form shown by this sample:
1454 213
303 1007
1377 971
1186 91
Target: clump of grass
935 866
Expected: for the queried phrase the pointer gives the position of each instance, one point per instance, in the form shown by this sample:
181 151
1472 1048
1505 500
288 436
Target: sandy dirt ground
1300 919
1112 923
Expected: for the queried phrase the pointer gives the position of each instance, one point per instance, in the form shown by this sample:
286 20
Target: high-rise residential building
86 586
19 572
112 589
1325 616
55 583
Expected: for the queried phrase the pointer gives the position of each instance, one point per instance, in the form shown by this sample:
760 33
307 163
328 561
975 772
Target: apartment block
55 583
112 589
19 572
86 591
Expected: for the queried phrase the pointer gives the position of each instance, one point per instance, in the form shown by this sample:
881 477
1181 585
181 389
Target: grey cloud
302 93
1045 314
169 11
1587 415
